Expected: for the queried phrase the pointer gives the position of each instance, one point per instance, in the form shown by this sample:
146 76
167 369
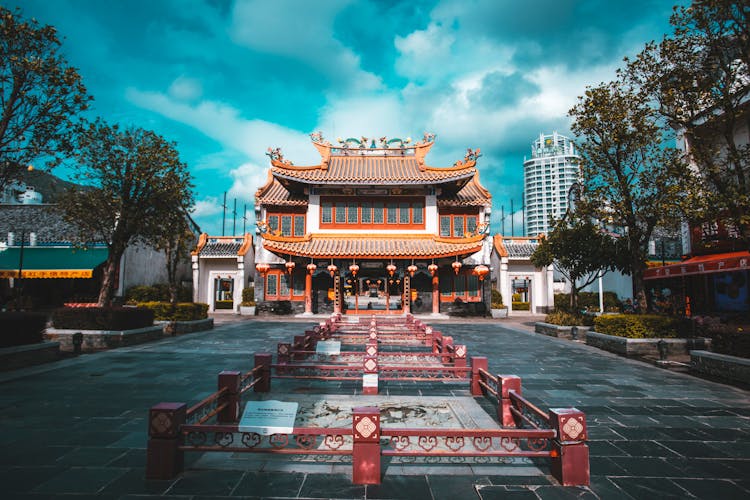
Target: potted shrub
498 309
247 306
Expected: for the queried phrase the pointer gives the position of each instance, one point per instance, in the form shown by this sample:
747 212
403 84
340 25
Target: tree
139 183
629 173
579 251
699 80
40 96
175 241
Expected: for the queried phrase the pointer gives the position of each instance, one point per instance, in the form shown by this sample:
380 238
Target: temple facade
372 229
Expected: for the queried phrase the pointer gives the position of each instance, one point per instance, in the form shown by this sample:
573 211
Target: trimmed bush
182 311
520 306
155 293
248 297
562 318
20 328
588 300
102 318
497 299
637 326
224 304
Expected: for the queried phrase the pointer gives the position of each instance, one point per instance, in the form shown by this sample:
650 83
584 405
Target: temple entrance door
373 292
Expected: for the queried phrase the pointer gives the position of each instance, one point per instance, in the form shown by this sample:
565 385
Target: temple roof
472 194
373 245
273 193
515 247
223 246
363 162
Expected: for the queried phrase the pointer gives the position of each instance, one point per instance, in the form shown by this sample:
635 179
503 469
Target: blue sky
227 79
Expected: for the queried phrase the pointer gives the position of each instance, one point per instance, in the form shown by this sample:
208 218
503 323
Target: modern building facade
372 229
548 176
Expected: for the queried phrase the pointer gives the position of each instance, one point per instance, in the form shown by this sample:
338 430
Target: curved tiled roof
273 193
472 194
515 247
223 246
363 246
381 170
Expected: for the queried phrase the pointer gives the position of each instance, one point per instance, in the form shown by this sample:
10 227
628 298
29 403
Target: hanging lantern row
354 269
433 269
290 266
262 268
311 268
332 269
391 269
412 269
456 267
481 271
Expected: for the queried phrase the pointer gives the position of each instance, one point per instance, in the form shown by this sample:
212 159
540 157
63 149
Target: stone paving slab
76 428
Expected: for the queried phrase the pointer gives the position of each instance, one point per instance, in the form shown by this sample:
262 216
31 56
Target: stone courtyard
77 428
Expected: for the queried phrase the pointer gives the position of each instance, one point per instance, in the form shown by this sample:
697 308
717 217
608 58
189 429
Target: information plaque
328 347
269 417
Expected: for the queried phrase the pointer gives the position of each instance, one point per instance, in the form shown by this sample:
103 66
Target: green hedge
248 296
588 300
102 318
562 318
182 311
520 306
155 293
20 328
637 326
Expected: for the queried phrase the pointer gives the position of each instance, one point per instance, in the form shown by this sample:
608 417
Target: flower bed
643 347
722 366
563 332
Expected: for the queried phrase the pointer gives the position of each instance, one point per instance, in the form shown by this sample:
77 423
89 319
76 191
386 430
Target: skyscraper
548 175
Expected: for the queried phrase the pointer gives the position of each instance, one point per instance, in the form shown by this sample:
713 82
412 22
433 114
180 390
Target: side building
373 229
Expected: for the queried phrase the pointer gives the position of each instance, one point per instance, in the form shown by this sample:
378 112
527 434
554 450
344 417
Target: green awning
51 262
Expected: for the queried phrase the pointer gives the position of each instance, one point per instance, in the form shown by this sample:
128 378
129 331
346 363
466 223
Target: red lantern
412 269
456 267
354 268
332 269
311 268
290 266
262 268
391 269
481 271
433 269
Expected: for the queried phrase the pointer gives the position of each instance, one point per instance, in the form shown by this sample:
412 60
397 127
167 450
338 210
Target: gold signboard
48 273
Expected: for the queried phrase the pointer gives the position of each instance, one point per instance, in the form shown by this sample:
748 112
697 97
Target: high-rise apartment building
548 175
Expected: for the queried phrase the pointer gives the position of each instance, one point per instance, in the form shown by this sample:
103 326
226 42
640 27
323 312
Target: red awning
717 263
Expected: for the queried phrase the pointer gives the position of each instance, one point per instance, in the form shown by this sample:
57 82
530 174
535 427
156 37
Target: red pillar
164 460
435 295
366 448
459 356
231 381
308 293
264 361
477 362
507 383
570 466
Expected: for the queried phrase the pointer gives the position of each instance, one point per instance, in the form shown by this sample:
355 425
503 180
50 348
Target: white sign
328 347
269 417
370 380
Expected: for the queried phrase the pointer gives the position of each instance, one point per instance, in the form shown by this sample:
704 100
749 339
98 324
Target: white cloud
306 36
185 88
207 207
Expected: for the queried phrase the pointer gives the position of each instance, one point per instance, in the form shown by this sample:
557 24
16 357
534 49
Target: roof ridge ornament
277 156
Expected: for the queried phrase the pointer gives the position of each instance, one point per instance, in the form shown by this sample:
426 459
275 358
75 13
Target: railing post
264 384
164 459
299 345
437 341
370 376
282 352
570 461
366 447
428 335
507 383
459 356
445 350
230 380
477 362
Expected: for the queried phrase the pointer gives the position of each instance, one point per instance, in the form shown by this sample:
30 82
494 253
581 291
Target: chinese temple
372 229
